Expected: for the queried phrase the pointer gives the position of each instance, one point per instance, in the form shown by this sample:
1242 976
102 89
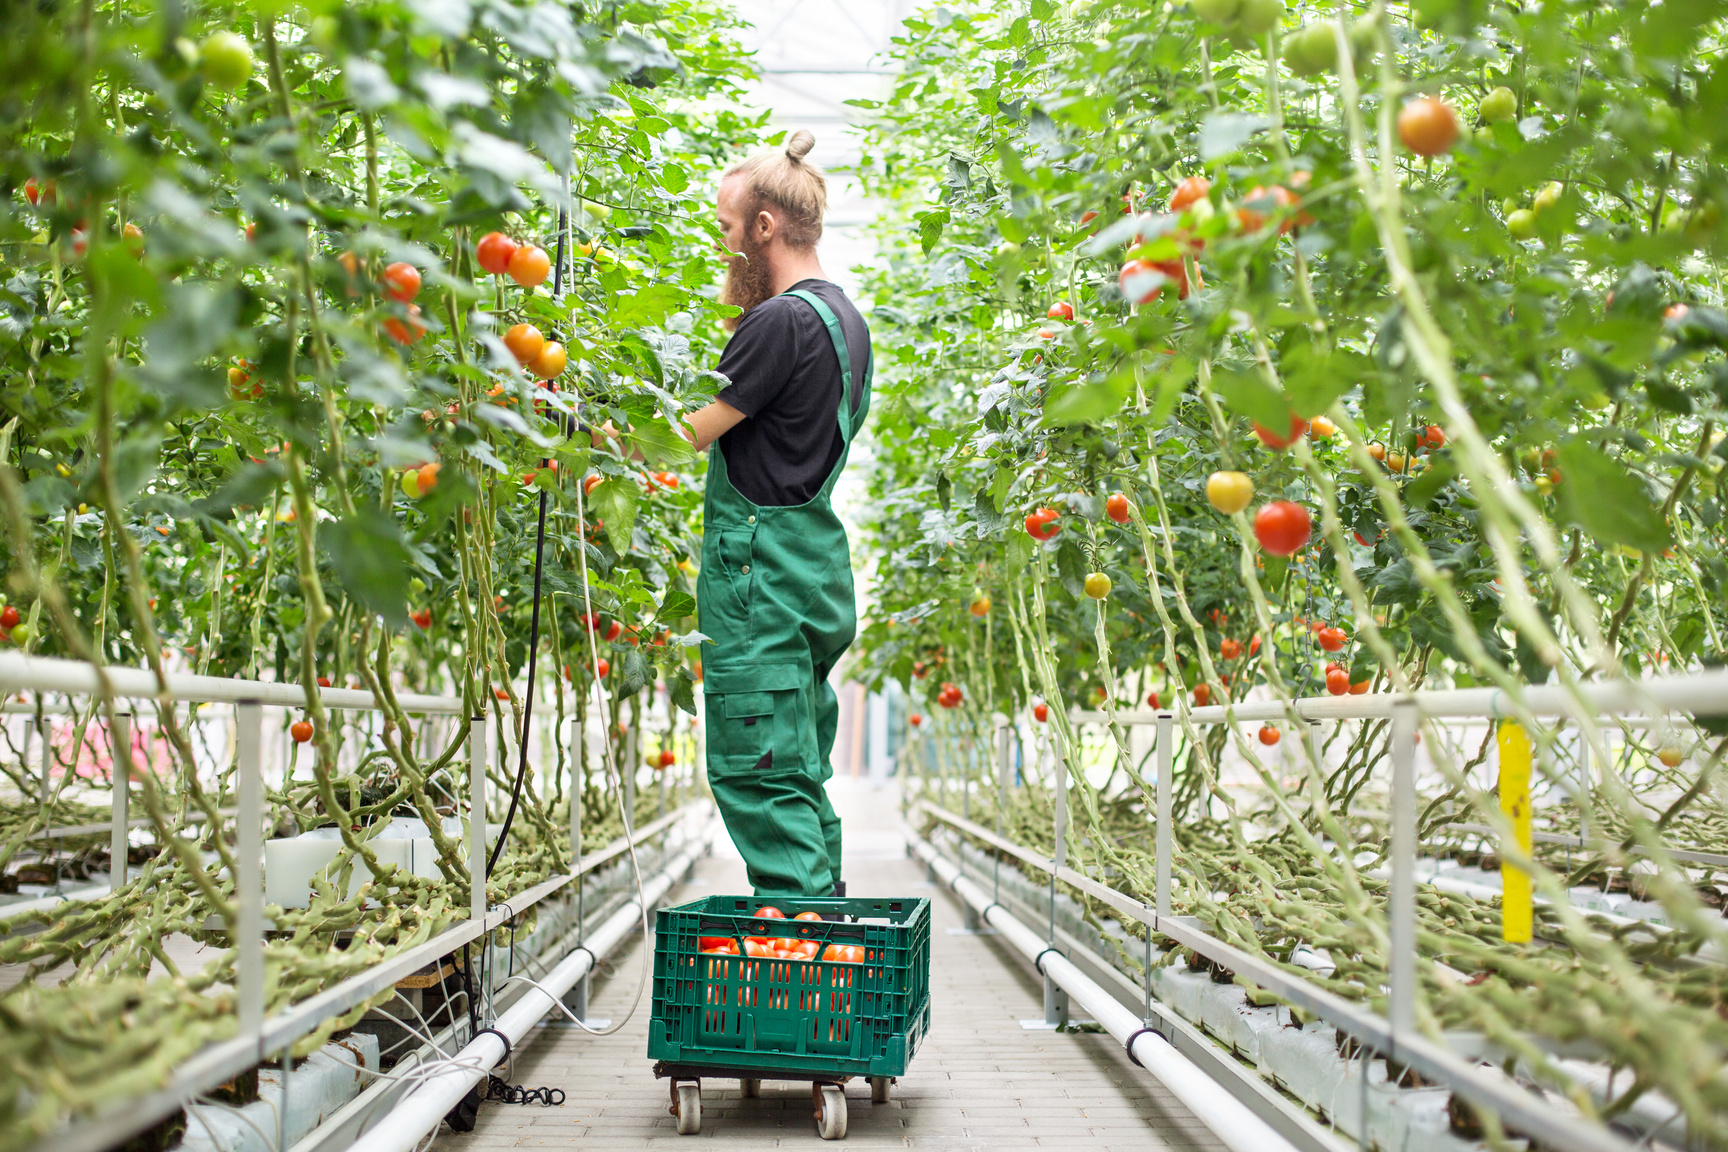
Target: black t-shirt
785 378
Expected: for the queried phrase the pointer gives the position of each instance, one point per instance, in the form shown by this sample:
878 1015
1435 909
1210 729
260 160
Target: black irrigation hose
534 621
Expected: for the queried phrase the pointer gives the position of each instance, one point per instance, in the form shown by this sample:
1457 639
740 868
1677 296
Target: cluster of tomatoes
527 264
13 627
536 354
1338 680
950 696
783 947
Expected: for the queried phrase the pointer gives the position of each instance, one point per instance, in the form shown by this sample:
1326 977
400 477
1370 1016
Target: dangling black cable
534 620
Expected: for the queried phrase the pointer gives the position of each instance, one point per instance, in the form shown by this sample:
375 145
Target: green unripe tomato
1259 17
1500 104
1521 224
21 635
1548 195
1312 50
226 59
1220 12
1097 585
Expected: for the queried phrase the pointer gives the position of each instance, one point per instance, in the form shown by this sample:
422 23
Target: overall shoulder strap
849 420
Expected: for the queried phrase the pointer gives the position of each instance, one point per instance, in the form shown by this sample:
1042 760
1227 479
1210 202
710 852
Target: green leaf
930 225
1420 491
1252 394
1607 501
1314 379
1088 403
677 605
1017 552
683 689
660 443
367 552
649 307
614 502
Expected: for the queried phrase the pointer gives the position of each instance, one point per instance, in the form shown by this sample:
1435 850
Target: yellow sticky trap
1514 789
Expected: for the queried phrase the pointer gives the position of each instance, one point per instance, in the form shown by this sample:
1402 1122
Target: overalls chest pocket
754 718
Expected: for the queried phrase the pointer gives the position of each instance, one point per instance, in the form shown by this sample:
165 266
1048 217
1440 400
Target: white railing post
575 793
1401 906
119 812
249 869
1055 999
477 818
1163 839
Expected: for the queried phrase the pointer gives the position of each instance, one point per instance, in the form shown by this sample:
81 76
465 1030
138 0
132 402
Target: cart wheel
750 1087
689 1109
830 1112
879 1086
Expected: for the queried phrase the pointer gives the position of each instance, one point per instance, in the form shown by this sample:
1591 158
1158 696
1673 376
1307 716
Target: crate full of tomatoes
837 987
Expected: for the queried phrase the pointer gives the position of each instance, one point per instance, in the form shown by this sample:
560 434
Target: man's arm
712 422
703 428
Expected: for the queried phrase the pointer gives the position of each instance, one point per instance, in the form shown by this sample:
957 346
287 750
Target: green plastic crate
807 1017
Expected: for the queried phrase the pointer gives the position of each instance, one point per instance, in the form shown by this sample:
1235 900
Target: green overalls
775 596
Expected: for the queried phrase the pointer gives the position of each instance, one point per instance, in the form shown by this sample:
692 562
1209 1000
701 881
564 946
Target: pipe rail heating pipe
1238 1128
422 1110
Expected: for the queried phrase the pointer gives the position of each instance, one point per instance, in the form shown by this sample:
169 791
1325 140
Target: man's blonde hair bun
786 181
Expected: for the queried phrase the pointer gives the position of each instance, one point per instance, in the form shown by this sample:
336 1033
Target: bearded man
775 592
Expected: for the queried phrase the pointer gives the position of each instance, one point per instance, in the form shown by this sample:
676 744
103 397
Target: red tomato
843 954
613 631
1229 649
32 191
1202 694
915 719
1087 217
323 681
1152 700
1434 436
301 730
1331 639
668 758
1282 527
1061 310
1428 126
525 343
1117 508
529 265
1359 688
1041 712
1254 645
801 949
1270 735
1042 524
591 483
1272 440
1337 681
1189 191
493 253
724 945
808 916
603 668
1253 220
423 618
8 617
409 331
756 946
402 281
769 912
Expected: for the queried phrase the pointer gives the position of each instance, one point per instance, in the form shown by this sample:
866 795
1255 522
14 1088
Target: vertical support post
1055 999
1166 766
576 783
1004 764
477 818
1517 913
627 769
1401 906
249 869
45 730
119 813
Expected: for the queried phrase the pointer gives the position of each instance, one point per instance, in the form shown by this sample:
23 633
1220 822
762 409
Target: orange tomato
525 343
529 265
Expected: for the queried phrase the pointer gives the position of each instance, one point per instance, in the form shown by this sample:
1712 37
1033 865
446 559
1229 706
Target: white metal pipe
423 1109
1705 692
1231 1121
78 678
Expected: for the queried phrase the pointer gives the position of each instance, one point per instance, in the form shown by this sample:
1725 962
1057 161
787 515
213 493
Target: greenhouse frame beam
1518 1108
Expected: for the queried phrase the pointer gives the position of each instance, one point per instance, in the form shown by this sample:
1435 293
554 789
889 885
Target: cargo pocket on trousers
754 716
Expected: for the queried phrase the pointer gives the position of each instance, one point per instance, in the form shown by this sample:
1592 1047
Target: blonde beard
747 283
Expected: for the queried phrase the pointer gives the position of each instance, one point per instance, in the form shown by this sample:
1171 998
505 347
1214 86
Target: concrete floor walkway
978 1082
